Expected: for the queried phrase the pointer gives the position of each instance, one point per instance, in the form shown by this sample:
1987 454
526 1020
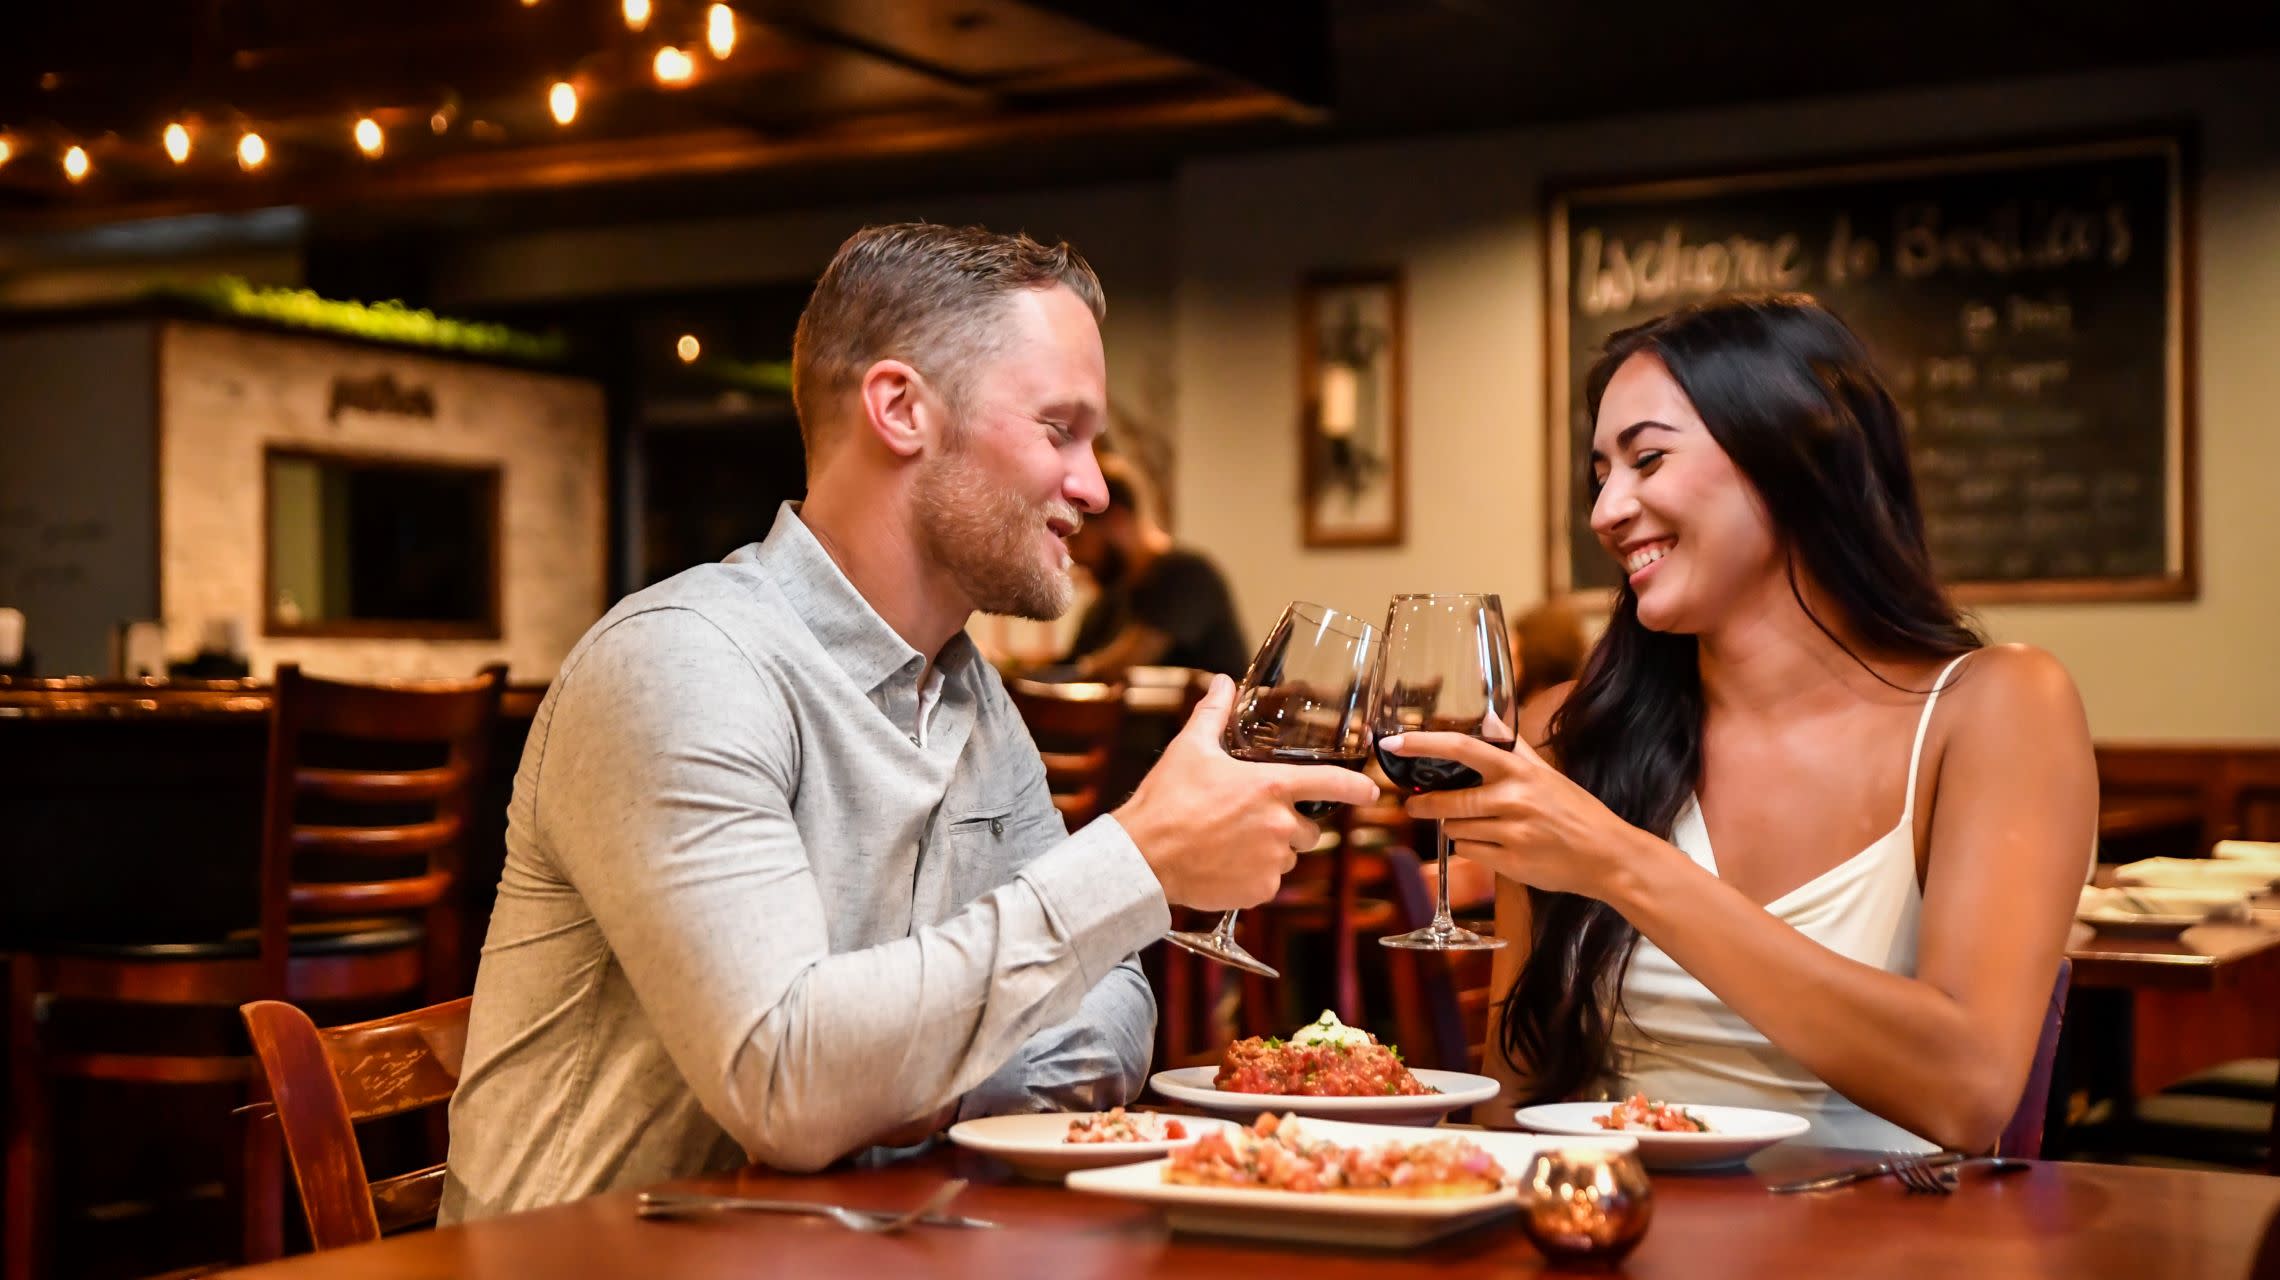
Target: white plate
1033 1144
2138 924
2259 851
1192 1085
2201 873
1381 1222
1736 1133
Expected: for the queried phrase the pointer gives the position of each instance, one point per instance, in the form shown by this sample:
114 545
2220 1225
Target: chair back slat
323 1083
411 840
362 786
366 897
408 1199
382 776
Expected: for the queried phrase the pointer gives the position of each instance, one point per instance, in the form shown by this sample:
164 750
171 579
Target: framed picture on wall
2030 309
1354 491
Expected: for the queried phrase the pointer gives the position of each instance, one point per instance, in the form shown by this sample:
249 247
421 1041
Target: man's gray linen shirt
758 905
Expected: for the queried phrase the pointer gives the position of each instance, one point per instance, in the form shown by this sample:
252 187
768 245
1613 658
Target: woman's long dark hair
1790 394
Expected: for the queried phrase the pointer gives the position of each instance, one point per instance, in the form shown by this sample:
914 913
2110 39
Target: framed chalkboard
2027 306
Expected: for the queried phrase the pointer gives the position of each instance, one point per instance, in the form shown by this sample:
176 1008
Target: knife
1862 1173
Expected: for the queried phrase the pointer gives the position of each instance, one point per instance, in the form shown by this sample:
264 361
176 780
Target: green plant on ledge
390 322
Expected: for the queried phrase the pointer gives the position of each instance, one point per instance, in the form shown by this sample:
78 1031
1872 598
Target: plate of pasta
1324 1069
1671 1135
1286 1177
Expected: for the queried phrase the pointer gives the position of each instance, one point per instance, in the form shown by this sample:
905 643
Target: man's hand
1220 832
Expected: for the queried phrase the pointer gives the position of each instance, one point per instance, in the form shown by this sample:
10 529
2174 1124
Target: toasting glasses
1448 667
1305 700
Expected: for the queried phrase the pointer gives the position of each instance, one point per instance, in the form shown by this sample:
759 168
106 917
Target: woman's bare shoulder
2014 679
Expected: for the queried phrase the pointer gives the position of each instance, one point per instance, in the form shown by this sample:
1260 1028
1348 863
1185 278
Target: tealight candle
1585 1203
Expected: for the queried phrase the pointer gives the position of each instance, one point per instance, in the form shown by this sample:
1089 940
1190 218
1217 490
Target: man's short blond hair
929 295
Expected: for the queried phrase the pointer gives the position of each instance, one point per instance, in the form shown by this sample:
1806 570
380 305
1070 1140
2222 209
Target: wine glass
1305 700
1448 668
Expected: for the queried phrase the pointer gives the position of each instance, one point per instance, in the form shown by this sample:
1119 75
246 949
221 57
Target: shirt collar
841 620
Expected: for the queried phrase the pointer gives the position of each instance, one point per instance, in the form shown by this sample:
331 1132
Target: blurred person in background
1547 647
1160 604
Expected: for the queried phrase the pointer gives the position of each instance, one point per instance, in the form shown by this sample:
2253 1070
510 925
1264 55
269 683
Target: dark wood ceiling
835 99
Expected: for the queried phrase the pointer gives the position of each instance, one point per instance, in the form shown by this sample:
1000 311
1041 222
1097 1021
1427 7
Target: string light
252 152
562 100
75 164
177 143
688 348
720 30
636 14
369 139
673 66
7 152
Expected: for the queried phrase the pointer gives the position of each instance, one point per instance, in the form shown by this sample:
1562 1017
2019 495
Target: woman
1807 845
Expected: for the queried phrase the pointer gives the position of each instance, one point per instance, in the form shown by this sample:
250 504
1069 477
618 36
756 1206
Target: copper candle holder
1585 1204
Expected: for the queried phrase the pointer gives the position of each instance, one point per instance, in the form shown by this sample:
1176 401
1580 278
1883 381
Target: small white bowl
1035 1144
1736 1133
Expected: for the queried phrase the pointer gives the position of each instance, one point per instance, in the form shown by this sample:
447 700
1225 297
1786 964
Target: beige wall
226 393
1127 231
1462 218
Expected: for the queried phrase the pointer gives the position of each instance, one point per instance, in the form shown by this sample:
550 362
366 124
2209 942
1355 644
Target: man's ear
899 409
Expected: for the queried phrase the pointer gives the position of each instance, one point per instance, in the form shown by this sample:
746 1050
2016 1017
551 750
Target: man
783 878
1159 604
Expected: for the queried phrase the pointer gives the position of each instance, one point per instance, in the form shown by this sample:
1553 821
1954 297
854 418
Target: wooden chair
356 901
1077 728
1440 1000
322 1084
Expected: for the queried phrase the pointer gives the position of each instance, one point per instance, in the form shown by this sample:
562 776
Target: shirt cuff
1103 894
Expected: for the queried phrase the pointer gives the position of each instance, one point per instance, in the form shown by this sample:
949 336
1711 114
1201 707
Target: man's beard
986 538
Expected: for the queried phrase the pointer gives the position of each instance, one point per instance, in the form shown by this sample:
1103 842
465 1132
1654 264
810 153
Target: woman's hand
1528 822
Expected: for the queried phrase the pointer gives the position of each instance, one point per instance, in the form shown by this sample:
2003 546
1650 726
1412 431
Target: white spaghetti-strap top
1676 1041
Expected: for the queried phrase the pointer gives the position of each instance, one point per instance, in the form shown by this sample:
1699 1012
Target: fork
1920 1178
665 1205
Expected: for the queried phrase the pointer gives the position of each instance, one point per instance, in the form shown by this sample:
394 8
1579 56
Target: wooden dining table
2074 1220
2208 996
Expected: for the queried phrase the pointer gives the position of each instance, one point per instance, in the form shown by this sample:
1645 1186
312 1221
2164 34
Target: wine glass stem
1224 935
1442 923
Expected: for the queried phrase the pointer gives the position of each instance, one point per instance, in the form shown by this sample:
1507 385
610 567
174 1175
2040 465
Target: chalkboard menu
2025 306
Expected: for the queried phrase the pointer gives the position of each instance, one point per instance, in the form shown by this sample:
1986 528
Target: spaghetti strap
1923 723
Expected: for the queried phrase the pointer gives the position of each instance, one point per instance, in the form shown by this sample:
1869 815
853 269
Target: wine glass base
1212 947
1450 939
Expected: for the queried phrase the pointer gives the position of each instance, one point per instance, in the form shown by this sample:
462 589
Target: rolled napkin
2149 901
2200 873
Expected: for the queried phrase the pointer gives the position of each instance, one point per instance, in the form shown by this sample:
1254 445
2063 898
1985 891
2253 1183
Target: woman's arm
1944 1054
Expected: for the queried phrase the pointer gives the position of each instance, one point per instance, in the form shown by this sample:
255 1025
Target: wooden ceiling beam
706 153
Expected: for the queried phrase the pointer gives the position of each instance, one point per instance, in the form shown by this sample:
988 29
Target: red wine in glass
1448 669
1306 699
1416 775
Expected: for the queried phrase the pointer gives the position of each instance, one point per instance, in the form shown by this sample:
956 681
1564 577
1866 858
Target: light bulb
720 30
177 143
7 152
673 66
369 139
252 152
636 14
688 348
75 165
562 100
